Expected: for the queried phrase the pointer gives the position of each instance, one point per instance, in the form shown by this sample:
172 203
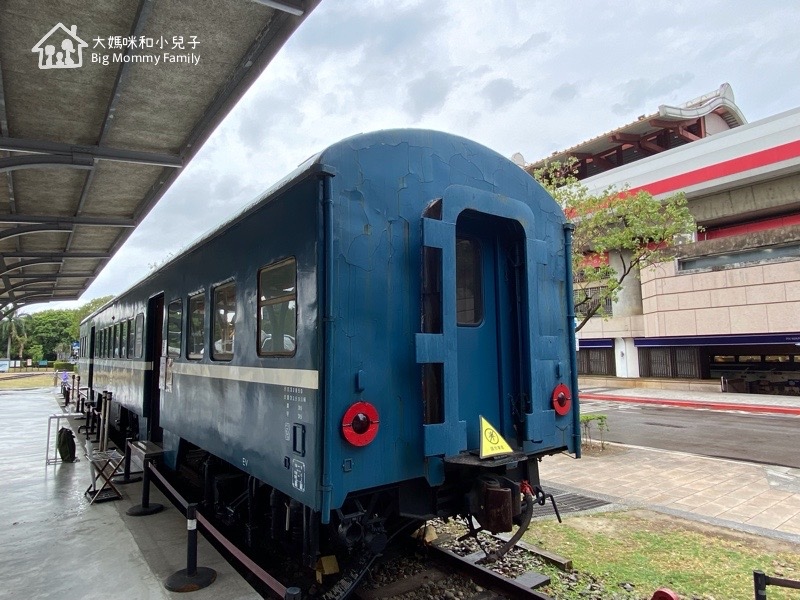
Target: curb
756 408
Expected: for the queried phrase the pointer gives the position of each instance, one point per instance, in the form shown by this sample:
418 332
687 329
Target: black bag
65 442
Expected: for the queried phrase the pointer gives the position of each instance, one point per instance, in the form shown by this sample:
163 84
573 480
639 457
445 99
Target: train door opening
473 347
154 341
489 272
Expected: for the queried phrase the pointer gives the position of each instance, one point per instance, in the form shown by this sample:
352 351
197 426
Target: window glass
469 299
174 322
777 358
197 326
115 342
724 359
123 339
131 330
139 343
749 358
224 321
277 309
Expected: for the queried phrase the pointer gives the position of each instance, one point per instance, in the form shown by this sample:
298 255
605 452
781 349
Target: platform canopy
102 102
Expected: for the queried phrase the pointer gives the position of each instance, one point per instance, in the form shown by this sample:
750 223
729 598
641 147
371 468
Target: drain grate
567 502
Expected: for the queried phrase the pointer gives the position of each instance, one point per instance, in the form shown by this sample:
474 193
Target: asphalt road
760 438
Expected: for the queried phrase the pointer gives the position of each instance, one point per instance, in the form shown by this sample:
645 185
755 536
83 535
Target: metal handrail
762 580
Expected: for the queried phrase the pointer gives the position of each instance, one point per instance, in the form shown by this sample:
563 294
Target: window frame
190 300
222 356
129 345
276 300
138 344
177 352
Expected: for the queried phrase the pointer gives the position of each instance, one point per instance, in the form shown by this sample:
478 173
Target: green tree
15 330
54 327
35 353
616 227
85 310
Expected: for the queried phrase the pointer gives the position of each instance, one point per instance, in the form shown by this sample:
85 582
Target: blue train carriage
385 334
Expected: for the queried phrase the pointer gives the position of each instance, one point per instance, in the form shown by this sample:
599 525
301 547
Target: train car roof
325 163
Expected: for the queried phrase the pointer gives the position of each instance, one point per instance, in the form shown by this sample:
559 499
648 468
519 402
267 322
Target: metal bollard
145 508
191 578
760 585
72 390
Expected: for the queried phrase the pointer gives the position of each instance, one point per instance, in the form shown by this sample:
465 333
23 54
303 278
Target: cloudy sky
525 76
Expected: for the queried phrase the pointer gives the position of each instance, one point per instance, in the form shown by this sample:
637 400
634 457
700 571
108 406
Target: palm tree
15 329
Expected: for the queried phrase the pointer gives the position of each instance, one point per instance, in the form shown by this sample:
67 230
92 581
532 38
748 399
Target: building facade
726 311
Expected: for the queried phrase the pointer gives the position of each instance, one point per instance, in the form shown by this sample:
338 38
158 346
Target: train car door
152 400
486 315
471 348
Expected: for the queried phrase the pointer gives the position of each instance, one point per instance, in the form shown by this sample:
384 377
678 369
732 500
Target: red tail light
360 423
562 399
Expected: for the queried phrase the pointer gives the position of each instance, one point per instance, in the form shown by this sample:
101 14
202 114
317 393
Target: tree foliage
617 233
84 311
45 335
14 329
52 328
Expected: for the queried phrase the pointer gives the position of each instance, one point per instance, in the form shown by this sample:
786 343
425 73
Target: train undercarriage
280 531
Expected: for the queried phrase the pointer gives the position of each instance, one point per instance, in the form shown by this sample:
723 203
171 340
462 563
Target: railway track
449 569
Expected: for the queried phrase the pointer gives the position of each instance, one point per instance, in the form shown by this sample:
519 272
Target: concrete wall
763 298
760 199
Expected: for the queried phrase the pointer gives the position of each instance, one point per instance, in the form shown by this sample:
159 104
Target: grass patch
26 383
648 550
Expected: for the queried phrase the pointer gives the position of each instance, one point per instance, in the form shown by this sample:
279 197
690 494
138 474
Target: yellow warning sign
492 443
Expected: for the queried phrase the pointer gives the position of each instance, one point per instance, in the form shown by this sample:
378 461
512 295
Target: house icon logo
60 48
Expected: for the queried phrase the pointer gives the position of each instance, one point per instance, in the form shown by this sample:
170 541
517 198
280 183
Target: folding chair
104 465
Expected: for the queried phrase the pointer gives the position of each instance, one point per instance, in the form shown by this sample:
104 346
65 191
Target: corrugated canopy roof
101 104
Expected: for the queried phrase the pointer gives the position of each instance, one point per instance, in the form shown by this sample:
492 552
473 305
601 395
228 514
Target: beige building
726 313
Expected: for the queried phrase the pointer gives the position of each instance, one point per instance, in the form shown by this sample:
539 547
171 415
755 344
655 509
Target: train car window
224 321
277 309
123 339
129 353
138 347
469 297
196 333
174 323
115 342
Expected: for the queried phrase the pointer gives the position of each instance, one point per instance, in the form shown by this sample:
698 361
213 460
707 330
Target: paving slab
759 499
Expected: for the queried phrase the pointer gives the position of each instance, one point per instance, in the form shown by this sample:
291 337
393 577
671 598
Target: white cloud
516 75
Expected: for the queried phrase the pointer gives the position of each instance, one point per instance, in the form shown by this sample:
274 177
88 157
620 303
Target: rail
258 572
520 588
761 580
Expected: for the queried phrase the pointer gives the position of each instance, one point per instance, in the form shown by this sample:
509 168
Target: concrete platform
55 545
